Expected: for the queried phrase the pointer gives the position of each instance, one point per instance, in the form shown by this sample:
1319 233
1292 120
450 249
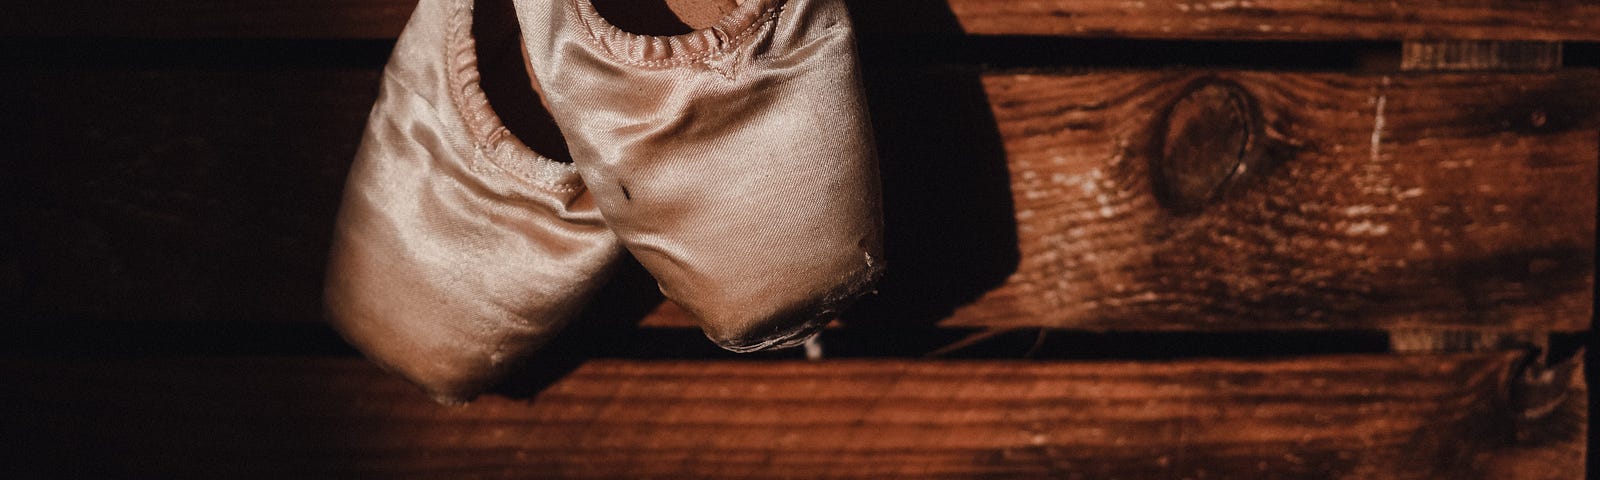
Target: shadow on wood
950 227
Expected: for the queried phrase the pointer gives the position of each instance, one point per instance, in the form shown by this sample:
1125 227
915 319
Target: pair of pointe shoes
734 162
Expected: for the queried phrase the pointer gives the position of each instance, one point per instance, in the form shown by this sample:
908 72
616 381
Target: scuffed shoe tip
792 330
789 338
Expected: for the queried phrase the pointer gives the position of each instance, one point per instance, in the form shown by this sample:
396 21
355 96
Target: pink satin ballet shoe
458 249
736 162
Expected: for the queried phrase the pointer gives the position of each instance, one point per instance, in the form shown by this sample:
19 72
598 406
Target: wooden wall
1157 239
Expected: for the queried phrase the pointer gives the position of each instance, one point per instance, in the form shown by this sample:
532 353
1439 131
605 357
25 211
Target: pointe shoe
457 250
735 162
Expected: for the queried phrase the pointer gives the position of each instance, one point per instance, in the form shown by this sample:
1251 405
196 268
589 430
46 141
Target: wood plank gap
1483 56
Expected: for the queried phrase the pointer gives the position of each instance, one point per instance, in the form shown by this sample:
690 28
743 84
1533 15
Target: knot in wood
1206 140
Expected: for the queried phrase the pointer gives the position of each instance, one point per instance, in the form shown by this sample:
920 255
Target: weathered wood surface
1366 201
1366 417
1283 19
1471 55
1387 201
1163 19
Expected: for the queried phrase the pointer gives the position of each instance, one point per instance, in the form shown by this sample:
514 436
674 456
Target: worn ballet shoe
457 249
735 162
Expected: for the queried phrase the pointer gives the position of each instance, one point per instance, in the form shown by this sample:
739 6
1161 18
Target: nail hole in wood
1207 141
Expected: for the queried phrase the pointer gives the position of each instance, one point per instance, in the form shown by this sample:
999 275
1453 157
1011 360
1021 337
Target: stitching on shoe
492 142
764 20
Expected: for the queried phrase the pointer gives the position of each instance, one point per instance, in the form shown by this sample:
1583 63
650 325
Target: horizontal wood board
1367 417
1155 19
1394 200
1013 199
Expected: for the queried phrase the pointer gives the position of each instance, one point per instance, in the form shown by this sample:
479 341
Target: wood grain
1471 55
1384 201
1367 417
1161 19
1284 19
1380 201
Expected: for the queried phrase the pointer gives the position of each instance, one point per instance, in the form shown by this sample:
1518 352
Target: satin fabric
457 250
735 162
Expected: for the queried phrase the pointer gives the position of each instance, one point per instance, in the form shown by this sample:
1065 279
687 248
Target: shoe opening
663 17
506 80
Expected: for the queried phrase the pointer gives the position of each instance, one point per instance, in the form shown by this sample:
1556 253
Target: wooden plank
1013 199
1372 202
1158 19
1472 55
1378 417
1283 19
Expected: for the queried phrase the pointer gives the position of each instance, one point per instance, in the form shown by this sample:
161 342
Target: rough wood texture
1167 19
1455 200
1471 55
1284 19
1383 201
1356 417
